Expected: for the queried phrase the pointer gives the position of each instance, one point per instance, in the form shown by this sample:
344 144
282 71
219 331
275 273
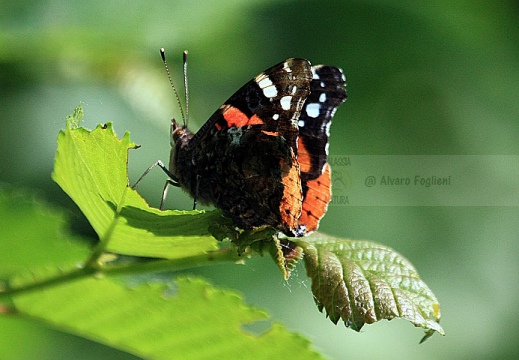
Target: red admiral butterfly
262 156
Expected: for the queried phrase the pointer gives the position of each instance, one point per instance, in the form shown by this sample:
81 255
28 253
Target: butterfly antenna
186 88
163 55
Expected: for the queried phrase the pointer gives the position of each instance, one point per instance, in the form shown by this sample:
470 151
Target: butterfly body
262 156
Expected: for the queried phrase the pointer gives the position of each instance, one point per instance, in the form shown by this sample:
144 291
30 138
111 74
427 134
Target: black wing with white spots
326 94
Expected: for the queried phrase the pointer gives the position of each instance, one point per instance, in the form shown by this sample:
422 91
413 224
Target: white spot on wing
265 82
324 167
312 110
269 89
322 98
314 74
275 116
301 123
285 102
327 128
343 77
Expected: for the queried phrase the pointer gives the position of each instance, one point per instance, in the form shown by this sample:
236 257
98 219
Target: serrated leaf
362 282
184 319
90 166
187 319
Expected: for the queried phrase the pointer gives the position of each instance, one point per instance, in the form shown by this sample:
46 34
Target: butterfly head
179 134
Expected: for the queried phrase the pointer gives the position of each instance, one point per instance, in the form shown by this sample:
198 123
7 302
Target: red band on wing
235 117
255 120
316 200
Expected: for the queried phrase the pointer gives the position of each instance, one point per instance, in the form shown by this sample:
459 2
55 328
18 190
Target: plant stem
92 265
103 243
62 278
209 258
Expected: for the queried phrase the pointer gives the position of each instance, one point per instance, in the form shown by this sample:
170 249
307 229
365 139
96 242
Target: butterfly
262 156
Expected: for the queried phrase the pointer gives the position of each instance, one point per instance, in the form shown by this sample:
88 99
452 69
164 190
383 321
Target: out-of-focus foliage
438 78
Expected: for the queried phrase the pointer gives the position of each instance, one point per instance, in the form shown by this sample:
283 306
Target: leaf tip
74 120
431 332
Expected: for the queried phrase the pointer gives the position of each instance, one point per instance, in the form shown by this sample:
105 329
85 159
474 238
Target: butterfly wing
245 155
327 93
273 99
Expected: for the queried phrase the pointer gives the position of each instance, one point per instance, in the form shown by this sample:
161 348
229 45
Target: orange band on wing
303 157
235 117
316 200
270 133
255 120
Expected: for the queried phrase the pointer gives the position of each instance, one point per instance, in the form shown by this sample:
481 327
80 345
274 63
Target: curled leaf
362 282
286 254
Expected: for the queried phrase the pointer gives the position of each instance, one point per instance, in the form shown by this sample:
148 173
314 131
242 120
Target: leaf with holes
149 315
183 318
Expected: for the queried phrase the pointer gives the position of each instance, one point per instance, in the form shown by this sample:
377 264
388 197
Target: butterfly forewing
273 100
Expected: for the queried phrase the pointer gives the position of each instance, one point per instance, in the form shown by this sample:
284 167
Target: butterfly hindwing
326 94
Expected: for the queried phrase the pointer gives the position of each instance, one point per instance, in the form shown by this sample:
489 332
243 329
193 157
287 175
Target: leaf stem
103 243
62 278
209 258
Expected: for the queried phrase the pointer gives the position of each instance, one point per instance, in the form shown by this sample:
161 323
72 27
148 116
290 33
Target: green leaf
286 255
90 166
153 319
356 281
362 282
34 235
184 319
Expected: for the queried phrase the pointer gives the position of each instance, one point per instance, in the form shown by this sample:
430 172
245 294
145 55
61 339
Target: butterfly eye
177 133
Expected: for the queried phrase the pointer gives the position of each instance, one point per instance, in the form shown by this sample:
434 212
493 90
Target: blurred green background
435 78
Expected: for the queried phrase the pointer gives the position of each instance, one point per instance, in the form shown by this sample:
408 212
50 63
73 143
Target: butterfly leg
165 191
163 167
196 191
171 181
